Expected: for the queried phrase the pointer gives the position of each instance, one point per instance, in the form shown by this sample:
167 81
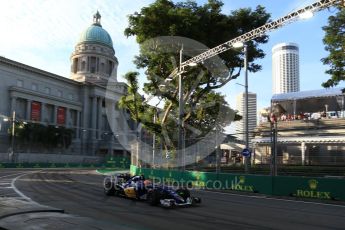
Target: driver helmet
147 182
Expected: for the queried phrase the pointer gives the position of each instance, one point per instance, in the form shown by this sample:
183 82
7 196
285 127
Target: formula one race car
155 194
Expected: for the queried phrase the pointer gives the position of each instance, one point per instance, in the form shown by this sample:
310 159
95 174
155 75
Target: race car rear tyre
153 198
109 192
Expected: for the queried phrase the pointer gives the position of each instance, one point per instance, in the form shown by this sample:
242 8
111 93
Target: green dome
95 33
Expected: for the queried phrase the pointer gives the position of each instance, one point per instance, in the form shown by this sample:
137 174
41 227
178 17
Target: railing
304 124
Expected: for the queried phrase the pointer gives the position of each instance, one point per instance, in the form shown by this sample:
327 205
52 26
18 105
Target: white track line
272 198
11 175
19 192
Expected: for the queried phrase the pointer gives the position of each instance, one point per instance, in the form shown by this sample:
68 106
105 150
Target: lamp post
274 135
246 110
110 140
13 130
83 131
180 109
13 123
154 139
246 103
181 135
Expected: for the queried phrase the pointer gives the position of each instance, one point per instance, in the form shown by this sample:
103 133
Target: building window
59 93
20 83
102 67
83 64
110 65
34 87
75 65
93 65
47 90
70 96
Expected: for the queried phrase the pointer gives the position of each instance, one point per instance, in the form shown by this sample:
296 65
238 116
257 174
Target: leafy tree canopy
186 23
334 41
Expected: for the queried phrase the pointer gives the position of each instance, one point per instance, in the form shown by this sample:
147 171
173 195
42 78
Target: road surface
80 192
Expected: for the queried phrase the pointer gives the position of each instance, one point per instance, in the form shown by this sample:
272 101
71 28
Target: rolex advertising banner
299 187
314 188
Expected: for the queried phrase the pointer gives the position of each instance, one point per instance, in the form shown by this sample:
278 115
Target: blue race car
155 194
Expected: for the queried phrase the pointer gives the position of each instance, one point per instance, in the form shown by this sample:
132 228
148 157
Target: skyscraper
240 106
285 68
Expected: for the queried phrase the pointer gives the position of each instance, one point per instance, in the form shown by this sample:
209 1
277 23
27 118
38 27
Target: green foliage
48 136
334 41
206 24
205 110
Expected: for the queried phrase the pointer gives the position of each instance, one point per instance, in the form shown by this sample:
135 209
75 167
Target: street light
82 140
107 137
13 129
154 140
181 144
180 109
13 121
246 103
306 15
245 51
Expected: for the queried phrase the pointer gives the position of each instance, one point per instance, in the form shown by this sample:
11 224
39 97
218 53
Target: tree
334 41
205 109
42 135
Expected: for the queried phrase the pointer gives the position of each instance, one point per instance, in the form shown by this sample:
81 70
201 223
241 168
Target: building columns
294 108
94 117
13 104
112 120
68 117
125 127
78 126
303 148
28 110
43 111
54 114
99 121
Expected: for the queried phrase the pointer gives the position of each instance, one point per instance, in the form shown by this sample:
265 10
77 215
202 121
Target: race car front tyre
153 198
108 185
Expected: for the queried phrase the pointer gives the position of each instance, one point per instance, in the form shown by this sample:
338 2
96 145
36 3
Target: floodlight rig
291 17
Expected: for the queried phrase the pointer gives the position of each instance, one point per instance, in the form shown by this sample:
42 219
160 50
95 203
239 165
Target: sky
43 33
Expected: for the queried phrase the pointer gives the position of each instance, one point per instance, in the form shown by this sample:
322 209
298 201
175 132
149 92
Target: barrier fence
114 162
315 188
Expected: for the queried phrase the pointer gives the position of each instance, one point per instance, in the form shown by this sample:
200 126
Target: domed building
85 103
93 59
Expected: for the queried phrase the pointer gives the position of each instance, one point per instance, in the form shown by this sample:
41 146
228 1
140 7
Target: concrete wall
51 158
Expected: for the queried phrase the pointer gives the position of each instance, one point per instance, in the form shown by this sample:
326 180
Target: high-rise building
252 115
285 68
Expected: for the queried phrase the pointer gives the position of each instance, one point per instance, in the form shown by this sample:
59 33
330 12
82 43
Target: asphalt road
80 192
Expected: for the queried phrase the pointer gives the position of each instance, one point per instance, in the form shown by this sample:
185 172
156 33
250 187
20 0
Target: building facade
252 115
285 68
85 102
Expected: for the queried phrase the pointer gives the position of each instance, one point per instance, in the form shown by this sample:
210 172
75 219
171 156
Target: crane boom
315 7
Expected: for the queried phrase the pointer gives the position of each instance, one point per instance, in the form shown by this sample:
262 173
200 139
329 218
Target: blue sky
42 33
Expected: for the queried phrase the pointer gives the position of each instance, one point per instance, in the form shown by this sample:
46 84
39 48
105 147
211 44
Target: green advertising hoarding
299 187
